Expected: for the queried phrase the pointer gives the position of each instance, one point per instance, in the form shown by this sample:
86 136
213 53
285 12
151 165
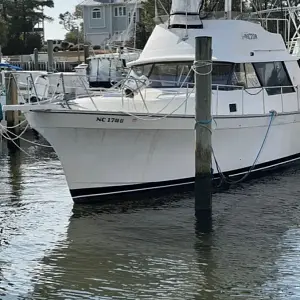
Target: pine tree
20 17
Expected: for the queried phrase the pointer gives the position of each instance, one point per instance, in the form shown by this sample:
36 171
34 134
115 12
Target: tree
72 36
147 20
3 33
33 40
72 22
21 16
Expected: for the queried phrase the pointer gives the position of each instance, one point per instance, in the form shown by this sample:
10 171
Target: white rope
16 136
4 135
12 127
202 64
26 140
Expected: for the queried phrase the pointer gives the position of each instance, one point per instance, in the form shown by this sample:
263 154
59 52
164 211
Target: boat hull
110 155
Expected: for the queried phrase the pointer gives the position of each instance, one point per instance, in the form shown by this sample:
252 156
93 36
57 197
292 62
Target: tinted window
273 74
142 69
175 73
251 77
171 75
239 75
244 75
221 73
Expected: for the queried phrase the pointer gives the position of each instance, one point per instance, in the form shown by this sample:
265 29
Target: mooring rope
16 137
226 179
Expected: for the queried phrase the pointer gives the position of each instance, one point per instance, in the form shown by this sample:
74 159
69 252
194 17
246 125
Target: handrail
183 92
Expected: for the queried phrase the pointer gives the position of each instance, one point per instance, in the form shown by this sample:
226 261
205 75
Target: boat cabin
243 53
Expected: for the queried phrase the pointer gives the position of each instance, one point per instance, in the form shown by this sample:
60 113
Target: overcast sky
54 30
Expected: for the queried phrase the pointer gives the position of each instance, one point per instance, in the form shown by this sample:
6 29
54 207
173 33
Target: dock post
86 53
50 55
203 150
12 117
36 59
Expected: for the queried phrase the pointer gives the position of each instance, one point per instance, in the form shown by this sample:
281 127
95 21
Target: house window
96 13
120 11
274 76
129 17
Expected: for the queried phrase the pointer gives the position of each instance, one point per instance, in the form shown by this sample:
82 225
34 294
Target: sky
53 30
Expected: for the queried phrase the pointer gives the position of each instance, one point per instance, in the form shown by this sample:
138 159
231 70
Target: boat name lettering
249 36
109 120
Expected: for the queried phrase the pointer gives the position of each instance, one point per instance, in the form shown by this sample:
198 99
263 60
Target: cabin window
274 77
171 75
167 75
174 74
221 73
96 13
251 77
142 69
244 75
239 75
225 75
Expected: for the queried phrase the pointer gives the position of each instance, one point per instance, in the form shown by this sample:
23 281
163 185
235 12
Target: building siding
97 31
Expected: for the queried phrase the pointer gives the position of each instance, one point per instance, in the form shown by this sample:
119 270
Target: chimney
185 14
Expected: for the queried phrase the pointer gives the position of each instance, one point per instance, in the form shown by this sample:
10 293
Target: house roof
103 2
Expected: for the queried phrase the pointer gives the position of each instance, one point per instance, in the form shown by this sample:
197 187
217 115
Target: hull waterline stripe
83 193
135 190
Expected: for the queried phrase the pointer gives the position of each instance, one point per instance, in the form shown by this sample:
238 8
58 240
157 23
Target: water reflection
117 252
50 249
15 174
30 225
114 254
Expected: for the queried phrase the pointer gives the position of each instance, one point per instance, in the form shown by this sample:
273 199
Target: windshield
180 74
167 74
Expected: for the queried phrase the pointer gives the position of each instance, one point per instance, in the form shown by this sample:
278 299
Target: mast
185 14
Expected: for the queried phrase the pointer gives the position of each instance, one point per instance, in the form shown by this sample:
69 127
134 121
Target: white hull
105 150
104 156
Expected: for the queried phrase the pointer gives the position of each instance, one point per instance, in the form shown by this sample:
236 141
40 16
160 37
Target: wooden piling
12 117
50 55
203 151
36 59
86 53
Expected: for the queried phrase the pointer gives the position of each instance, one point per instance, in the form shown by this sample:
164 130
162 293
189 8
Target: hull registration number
109 120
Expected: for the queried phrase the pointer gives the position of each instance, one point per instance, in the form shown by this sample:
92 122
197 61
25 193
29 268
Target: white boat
104 70
107 69
116 145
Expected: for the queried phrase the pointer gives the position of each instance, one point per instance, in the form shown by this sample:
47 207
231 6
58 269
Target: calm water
50 249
